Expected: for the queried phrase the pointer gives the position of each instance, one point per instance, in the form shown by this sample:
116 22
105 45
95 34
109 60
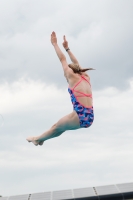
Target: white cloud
82 155
29 94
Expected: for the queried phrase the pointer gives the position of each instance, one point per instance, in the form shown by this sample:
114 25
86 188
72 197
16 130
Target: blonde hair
77 69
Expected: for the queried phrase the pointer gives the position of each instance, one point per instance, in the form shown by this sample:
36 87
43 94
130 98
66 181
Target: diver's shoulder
85 74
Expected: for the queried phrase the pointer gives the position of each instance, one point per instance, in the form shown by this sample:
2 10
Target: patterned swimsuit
85 114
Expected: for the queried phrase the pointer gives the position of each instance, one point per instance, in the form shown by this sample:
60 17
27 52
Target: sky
34 96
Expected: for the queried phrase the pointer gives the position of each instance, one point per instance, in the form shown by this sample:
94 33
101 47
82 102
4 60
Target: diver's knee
56 128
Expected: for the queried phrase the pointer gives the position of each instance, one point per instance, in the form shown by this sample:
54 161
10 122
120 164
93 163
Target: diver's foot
33 140
41 143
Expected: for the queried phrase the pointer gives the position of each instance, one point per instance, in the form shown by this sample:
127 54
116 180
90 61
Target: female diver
79 88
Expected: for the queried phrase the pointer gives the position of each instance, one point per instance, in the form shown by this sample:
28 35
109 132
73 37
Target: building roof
108 192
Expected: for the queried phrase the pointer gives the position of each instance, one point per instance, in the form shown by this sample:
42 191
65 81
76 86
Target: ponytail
76 68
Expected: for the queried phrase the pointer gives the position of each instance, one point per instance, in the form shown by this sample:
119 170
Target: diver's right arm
72 57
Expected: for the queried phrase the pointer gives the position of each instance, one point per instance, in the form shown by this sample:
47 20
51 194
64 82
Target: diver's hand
65 43
53 38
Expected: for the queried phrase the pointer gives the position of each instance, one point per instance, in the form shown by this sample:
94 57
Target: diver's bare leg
69 122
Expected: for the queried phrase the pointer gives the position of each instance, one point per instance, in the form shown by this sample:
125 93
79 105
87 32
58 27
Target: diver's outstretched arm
65 45
60 54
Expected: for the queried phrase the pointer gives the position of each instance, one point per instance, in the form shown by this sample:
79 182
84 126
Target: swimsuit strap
85 79
81 93
77 83
82 77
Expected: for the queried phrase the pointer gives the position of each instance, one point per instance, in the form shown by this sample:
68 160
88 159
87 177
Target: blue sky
33 94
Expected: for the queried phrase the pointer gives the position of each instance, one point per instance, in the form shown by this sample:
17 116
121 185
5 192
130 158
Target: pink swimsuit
85 114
